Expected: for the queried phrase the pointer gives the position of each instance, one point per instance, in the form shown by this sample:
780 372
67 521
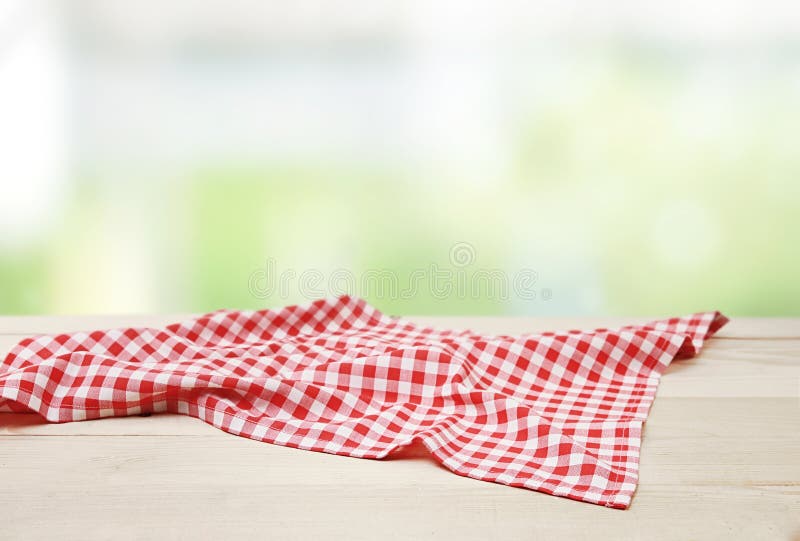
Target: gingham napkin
560 413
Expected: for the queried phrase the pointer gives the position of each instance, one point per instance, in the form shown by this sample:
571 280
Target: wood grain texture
720 460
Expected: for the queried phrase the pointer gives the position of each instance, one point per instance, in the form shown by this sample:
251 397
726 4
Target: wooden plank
27 325
692 433
20 424
197 487
671 418
737 368
736 328
725 368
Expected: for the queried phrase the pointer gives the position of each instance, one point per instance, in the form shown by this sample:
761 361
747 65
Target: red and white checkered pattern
560 413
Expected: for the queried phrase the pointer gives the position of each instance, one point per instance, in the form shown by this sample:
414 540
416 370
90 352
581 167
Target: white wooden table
720 459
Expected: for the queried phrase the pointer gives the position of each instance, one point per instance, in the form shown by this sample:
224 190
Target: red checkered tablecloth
560 413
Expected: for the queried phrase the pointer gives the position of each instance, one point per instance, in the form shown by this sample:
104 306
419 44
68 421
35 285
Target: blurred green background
167 156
